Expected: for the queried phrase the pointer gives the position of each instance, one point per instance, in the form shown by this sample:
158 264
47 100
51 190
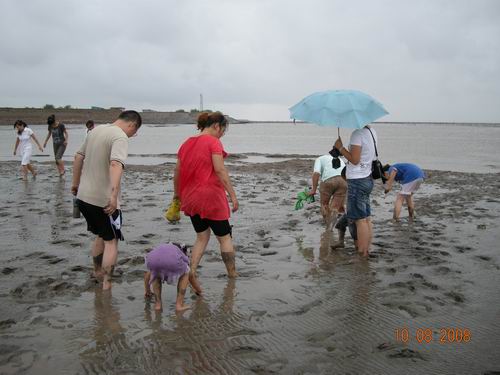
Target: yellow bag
173 213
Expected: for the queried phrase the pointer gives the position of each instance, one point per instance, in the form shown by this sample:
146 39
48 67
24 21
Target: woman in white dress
24 146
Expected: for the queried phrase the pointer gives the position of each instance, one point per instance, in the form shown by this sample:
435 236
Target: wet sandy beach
297 307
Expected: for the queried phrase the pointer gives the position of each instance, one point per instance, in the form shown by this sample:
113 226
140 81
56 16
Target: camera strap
374 143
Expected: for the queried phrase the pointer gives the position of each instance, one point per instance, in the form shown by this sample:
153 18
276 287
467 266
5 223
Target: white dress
25 146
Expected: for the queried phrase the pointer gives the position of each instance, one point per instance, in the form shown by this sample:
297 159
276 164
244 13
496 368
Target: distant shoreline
38 116
100 116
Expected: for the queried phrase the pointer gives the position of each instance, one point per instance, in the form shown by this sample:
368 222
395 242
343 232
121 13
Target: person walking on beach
97 171
200 183
23 144
360 155
170 263
59 134
89 125
332 189
410 176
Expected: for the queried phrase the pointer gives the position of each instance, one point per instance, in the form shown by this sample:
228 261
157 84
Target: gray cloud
429 60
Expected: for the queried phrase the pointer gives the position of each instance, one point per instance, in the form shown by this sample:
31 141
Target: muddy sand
296 308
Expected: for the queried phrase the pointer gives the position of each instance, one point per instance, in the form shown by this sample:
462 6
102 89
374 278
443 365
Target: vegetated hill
35 116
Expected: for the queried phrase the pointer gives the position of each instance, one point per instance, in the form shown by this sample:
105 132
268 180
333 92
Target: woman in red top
201 182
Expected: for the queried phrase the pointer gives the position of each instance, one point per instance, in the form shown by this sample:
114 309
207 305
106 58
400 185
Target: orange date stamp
430 335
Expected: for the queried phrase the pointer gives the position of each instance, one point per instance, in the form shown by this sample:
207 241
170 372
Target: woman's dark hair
22 123
51 120
90 124
207 119
386 167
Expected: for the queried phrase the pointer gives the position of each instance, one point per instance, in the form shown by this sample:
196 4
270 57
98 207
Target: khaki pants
333 193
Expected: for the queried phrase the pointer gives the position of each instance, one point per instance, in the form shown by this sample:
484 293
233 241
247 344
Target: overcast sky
425 60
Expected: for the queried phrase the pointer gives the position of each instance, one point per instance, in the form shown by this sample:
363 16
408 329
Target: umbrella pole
338 130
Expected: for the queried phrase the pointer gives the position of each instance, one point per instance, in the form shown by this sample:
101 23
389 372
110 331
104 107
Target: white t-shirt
25 140
363 138
323 166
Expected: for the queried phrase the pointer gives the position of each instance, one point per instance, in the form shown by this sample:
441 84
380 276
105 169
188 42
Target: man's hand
112 205
338 144
235 204
311 192
387 188
74 190
45 145
40 148
15 152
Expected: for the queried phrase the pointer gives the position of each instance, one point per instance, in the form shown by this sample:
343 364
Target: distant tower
201 102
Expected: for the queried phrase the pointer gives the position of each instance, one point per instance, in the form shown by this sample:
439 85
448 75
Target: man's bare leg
181 292
108 262
397 206
97 255
364 235
196 253
157 293
227 253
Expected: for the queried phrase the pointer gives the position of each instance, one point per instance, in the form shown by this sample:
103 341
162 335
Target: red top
200 189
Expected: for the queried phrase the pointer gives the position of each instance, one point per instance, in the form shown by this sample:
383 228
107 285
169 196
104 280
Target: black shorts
99 222
219 227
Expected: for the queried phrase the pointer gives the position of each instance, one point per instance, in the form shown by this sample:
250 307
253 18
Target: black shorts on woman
220 228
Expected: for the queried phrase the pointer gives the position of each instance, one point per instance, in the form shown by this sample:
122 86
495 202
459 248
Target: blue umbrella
341 108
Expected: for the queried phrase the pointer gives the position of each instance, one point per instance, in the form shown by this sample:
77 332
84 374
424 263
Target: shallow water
463 148
297 307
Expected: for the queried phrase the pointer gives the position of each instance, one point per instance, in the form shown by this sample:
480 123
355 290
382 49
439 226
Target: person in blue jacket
410 176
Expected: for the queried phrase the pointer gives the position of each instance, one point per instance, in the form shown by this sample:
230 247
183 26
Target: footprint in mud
8 270
457 297
239 350
405 353
57 242
139 242
483 257
149 235
463 249
302 310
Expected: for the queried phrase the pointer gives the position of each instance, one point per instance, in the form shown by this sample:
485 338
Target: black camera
335 155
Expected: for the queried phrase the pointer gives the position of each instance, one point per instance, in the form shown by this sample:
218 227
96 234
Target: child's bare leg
157 292
397 206
227 252
196 253
97 254
108 262
181 292
147 288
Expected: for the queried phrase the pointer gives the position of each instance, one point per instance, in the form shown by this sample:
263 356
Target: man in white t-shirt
360 156
332 189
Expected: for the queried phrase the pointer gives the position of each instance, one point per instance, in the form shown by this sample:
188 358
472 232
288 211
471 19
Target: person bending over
410 176
170 263
332 189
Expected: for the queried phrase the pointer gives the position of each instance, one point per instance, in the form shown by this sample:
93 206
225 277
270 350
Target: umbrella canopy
341 108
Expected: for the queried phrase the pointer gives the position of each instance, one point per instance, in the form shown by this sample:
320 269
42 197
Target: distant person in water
332 189
97 172
23 144
200 183
59 135
410 176
170 263
89 125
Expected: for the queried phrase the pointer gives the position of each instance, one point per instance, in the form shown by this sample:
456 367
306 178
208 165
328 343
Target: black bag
377 168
